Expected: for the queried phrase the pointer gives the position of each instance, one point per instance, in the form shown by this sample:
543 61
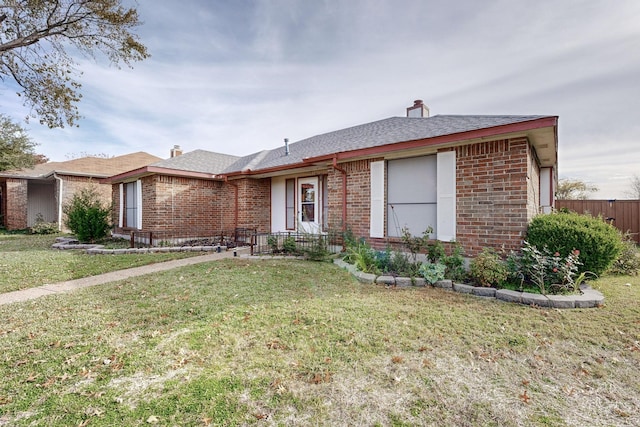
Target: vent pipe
286 146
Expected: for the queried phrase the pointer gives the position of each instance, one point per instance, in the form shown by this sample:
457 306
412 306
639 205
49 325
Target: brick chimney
418 109
176 151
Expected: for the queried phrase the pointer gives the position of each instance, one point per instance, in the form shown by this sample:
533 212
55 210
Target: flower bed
588 297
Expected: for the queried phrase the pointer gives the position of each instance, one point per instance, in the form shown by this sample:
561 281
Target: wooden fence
623 214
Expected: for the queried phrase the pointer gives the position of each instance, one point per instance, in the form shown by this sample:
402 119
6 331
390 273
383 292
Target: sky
239 76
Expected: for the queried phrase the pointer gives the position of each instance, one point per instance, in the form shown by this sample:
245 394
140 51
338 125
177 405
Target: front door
308 205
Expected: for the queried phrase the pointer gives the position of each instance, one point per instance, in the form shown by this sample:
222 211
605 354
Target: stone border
589 297
64 243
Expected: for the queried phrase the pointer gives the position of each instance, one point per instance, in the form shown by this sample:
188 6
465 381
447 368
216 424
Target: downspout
344 192
59 200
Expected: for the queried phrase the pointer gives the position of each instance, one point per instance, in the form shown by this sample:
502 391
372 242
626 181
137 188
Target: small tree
634 187
87 217
574 189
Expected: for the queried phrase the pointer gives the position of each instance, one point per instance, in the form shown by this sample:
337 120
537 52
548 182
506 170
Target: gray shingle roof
199 161
383 132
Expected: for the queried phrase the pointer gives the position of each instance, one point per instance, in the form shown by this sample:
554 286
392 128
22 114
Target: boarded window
411 195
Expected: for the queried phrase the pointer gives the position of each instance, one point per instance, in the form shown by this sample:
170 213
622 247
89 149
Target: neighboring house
477 180
41 192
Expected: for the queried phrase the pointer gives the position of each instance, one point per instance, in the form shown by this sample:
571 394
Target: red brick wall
254 203
497 194
14 194
492 194
195 207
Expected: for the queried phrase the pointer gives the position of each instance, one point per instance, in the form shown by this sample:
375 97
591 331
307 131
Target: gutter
60 191
344 191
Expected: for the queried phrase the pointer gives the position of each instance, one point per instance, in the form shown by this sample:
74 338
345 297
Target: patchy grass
27 261
276 342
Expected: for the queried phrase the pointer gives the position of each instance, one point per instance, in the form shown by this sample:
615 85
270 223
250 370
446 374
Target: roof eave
155 170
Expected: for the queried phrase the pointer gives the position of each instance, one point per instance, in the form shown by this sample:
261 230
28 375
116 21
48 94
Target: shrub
628 262
289 245
432 272
317 249
363 257
549 272
87 218
599 243
488 269
455 264
43 227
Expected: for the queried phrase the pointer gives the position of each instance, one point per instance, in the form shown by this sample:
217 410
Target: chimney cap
417 102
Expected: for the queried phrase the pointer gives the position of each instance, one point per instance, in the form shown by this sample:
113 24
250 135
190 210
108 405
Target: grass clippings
279 342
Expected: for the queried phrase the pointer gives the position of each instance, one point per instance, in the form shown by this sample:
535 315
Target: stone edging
64 243
589 297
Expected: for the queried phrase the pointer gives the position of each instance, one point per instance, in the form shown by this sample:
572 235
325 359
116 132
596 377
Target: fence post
151 239
132 241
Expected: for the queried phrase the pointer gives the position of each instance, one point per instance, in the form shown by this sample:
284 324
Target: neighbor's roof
86 166
198 161
383 132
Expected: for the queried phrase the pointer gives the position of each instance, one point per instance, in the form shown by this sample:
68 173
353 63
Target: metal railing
229 238
292 243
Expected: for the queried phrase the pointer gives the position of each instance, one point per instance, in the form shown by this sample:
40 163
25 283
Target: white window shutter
121 213
446 189
376 217
139 204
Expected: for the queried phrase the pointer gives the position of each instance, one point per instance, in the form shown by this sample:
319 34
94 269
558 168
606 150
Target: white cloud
238 77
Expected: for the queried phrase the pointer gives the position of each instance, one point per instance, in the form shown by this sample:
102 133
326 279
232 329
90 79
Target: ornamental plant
488 269
549 271
599 242
87 217
432 272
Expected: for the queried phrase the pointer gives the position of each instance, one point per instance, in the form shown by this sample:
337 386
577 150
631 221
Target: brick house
475 179
41 192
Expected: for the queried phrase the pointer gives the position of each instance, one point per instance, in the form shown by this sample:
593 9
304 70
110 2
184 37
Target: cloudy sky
239 76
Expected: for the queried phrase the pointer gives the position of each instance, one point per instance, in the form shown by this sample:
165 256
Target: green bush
456 270
87 218
43 227
628 262
599 243
488 269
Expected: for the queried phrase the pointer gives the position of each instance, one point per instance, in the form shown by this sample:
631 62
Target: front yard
282 342
27 261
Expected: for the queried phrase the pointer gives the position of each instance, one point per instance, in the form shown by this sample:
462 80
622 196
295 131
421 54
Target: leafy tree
574 189
87 217
16 147
36 37
634 191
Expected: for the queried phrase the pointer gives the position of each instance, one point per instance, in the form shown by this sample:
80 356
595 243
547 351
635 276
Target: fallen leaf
525 397
153 420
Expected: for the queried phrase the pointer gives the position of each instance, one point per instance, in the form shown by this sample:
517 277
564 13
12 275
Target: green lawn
279 342
27 261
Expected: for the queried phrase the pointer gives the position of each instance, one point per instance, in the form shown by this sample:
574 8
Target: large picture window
415 193
411 195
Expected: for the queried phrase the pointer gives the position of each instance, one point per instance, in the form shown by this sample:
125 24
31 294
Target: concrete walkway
71 285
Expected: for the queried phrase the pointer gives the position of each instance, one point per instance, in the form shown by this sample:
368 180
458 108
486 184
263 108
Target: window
420 193
308 202
132 192
411 195
290 204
